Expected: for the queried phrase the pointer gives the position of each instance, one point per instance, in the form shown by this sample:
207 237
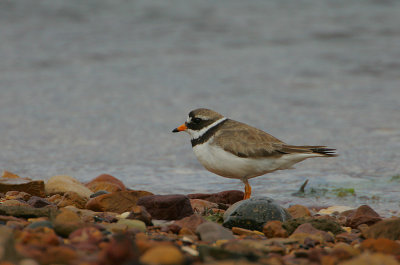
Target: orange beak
183 127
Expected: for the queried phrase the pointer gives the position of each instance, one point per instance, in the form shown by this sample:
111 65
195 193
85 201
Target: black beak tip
175 130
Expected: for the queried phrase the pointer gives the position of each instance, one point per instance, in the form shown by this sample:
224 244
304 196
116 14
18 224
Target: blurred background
92 87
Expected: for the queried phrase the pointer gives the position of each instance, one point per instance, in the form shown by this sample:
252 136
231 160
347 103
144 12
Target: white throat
196 134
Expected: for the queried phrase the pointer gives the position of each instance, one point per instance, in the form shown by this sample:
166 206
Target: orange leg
247 189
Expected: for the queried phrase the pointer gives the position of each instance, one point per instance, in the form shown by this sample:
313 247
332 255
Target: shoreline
64 221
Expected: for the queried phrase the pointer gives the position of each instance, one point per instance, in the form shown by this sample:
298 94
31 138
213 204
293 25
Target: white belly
225 164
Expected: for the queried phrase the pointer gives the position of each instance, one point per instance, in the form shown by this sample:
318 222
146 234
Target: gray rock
211 232
254 213
40 224
38 202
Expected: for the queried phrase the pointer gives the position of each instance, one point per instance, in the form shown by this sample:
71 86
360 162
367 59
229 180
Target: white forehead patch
204 118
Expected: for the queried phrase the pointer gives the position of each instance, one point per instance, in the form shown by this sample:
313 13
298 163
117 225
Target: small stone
167 207
28 262
308 229
55 255
120 250
245 232
38 202
274 229
254 248
27 211
348 237
327 224
86 236
124 215
190 222
140 213
106 182
163 255
66 222
98 193
14 203
367 258
107 217
16 225
190 251
344 251
298 211
334 209
202 206
118 202
363 215
224 255
173 228
62 184
324 224
133 224
41 236
71 198
55 199
211 232
115 228
43 245
382 245
17 195
87 216
225 197
254 213
40 224
33 187
186 232
389 228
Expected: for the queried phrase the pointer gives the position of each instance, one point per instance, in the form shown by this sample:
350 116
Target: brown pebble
274 229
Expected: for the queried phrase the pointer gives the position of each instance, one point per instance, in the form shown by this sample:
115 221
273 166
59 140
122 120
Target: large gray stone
254 213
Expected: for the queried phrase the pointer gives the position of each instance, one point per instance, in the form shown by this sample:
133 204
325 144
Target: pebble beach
64 221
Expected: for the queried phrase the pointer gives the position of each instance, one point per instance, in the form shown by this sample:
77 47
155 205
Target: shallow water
97 87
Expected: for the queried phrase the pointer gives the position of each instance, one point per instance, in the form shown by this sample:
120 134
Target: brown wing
245 141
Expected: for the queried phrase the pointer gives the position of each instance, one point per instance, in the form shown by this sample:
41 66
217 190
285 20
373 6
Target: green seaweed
395 178
343 192
214 217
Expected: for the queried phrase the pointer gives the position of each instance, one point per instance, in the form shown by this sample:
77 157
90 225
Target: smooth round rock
254 213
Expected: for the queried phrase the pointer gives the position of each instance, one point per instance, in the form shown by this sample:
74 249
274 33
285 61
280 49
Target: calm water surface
96 87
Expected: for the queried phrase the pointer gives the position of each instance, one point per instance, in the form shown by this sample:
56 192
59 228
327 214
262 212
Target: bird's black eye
197 120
